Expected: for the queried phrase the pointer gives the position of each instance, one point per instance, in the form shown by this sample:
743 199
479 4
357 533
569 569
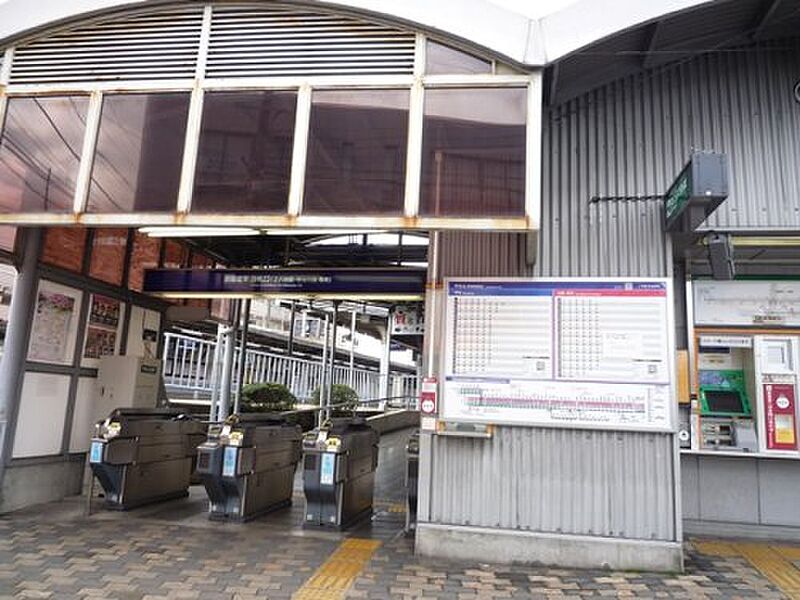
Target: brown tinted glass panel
473 153
108 255
137 165
444 60
357 152
40 152
245 155
145 255
64 247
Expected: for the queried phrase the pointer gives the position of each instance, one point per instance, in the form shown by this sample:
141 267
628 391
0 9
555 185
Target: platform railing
188 369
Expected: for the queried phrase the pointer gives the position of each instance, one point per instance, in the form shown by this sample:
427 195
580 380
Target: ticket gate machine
339 472
144 455
247 465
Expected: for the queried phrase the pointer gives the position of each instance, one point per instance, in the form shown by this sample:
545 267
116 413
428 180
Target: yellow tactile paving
788 552
774 562
332 580
713 548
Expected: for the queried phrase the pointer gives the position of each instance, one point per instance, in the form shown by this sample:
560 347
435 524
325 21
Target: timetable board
560 352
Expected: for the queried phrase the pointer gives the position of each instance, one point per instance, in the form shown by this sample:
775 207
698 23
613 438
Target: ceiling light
165 232
776 241
291 231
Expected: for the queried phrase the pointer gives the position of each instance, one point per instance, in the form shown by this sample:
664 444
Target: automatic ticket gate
247 465
339 472
144 455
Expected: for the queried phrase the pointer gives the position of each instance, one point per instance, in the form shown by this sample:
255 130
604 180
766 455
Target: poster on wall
54 324
102 327
572 353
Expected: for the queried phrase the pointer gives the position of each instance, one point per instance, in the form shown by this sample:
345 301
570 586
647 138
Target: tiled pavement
173 551
97 558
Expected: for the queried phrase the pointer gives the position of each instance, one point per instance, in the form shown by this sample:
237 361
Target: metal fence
188 368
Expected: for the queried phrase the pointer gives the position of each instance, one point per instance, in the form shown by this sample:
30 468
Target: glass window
40 152
357 152
137 165
473 152
444 60
244 160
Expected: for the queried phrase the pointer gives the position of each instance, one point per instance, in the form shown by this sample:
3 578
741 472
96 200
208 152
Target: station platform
172 550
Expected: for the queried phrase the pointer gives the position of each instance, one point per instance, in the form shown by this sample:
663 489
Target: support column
15 352
385 373
332 364
216 374
292 317
226 383
323 388
351 375
245 330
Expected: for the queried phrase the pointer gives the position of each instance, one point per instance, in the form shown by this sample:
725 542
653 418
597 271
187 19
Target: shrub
266 397
340 394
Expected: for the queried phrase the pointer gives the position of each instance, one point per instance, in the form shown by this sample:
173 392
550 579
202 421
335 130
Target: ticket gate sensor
144 455
339 472
247 465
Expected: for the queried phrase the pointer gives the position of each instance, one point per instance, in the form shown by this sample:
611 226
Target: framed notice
55 324
750 303
593 353
102 328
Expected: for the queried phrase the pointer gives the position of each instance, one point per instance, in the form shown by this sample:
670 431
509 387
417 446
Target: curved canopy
481 23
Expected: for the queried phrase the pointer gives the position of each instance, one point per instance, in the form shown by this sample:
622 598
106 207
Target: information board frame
670 423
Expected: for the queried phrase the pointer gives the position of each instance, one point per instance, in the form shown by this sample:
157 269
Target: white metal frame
304 86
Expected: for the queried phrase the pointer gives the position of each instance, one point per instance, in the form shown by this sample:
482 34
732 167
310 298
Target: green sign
679 194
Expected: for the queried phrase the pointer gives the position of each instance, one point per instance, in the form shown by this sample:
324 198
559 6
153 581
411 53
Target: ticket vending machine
776 359
725 392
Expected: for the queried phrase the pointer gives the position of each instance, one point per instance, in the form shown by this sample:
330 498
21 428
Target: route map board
747 303
559 352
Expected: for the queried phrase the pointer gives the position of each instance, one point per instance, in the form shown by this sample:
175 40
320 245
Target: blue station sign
367 283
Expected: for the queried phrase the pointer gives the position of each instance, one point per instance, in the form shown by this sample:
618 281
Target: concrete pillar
15 352
216 374
332 365
351 375
323 380
385 368
226 380
245 329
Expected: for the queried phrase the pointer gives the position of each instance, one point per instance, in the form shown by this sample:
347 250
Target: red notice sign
427 395
780 411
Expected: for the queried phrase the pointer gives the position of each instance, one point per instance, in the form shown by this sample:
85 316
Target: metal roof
722 26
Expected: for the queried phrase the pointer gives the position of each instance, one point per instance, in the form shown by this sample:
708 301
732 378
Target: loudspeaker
720 255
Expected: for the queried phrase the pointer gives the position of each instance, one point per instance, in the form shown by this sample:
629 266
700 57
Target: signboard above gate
366 284
560 352
697 192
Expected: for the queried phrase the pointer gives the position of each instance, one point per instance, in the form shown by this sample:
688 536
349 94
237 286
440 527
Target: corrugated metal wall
613 484
631 138
557 480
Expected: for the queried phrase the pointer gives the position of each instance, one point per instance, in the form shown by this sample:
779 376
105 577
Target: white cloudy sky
534 8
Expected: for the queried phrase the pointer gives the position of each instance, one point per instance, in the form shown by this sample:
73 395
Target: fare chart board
593 353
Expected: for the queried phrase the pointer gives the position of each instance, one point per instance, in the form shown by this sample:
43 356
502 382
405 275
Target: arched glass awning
265 117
